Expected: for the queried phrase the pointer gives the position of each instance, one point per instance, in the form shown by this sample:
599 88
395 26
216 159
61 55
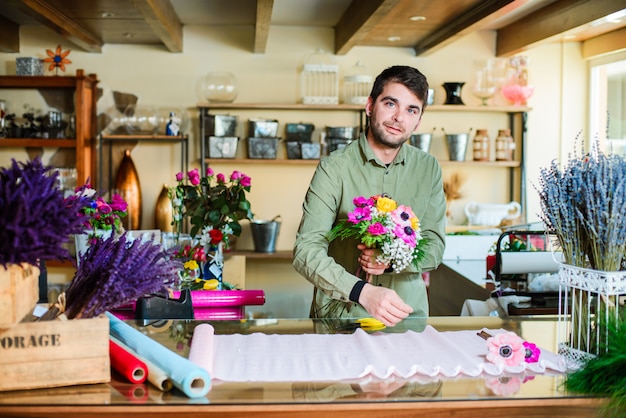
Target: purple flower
194 177
179 176
359 214
209 172
377 229
406 234
221 179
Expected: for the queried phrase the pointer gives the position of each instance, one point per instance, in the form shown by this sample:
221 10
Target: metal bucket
457 146
264 235
421 141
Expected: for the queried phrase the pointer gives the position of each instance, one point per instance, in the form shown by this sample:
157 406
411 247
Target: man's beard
383 138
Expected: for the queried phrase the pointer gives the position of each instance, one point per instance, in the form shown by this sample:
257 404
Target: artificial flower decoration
531 352
506 349
379 222
57 59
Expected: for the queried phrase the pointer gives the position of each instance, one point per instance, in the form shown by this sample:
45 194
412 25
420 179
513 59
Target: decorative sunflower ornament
57 59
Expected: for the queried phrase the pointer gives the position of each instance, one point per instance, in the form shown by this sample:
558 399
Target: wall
166 79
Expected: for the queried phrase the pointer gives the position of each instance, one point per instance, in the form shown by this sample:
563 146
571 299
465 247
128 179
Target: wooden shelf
37 142
60 263
284 161
135 138
351 107
278 255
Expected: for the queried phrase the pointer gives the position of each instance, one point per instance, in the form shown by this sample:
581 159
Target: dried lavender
113 272
35 219
583 205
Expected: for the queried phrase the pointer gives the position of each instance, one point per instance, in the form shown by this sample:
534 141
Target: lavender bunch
113 272
35 219
583 204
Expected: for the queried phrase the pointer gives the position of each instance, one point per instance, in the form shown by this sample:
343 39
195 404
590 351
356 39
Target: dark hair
410 77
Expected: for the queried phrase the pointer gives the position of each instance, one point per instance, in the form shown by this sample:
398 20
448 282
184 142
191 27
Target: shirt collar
370 156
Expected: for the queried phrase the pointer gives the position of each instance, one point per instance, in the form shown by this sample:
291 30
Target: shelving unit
83 89
512 117
132 140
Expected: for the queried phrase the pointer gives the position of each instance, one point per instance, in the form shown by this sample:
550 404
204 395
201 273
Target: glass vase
518 88
219 87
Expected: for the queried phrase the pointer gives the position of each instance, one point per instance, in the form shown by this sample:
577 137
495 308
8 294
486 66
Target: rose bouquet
379 222
213 205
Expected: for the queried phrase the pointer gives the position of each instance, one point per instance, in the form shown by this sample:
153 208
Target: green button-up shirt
414 179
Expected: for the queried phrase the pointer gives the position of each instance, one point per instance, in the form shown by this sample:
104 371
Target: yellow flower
384 204
197 280
191 265
210 284
415 223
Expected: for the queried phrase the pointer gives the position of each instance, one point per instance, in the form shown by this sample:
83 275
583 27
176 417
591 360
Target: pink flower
179 176
361 202
376 229
403 215
221 179
504 385
406 234
235 175
359 214
506 349
118 204
194 177
531 352
209 172
103 207
246 181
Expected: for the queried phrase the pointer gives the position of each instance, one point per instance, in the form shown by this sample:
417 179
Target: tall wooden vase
163 215
127 185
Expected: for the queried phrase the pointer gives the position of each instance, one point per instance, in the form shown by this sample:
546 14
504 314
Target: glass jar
357 85
504 145
219 87
518 87
319 79
481 145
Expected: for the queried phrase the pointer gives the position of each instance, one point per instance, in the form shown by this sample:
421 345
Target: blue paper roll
192 380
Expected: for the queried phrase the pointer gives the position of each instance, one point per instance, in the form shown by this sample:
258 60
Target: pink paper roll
221 298
201 350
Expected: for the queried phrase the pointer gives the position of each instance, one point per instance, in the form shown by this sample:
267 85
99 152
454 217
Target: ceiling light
105 14
569 37
394 38
417 18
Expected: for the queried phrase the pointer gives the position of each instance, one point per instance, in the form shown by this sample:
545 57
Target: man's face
395 115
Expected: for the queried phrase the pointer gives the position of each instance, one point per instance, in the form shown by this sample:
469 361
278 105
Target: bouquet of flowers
379 222
100 214
213 205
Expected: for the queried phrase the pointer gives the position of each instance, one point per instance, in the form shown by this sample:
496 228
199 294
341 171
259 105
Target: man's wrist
355 293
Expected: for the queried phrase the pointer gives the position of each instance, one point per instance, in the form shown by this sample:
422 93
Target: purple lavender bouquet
116 271
35 220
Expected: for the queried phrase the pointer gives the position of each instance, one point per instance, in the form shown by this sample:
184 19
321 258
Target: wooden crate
55 353
19 293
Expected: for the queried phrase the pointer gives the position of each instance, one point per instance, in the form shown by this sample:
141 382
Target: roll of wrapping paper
127 364
201 351
189 378
156 375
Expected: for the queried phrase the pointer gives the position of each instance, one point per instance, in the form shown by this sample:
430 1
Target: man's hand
368 262
384 304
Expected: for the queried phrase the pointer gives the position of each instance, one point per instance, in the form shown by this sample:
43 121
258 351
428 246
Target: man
379 162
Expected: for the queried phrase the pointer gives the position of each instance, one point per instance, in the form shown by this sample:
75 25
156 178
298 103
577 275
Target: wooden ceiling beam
552 20
459 24
9 35
262 25
161 17
47 15
358 20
